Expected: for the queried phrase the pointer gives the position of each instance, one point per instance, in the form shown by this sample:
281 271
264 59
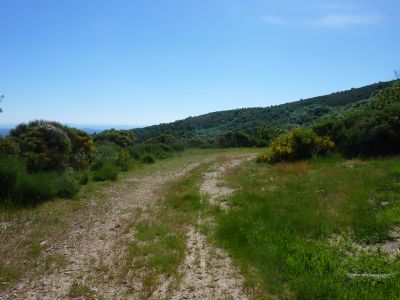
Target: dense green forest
252 121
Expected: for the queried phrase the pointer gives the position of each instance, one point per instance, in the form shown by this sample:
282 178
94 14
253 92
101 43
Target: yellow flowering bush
297 144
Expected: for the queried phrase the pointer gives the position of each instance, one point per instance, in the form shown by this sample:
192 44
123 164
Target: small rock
42 243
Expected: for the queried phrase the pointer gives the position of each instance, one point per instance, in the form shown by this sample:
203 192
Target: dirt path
93 249
208 272
95 244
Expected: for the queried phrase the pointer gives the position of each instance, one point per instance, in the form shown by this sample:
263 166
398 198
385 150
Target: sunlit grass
285 215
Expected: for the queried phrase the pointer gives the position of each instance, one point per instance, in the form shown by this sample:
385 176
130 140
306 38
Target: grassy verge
316 229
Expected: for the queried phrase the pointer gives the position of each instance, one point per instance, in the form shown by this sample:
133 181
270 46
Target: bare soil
93 248
208 272
94 245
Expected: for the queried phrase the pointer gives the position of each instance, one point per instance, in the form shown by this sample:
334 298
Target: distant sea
6 128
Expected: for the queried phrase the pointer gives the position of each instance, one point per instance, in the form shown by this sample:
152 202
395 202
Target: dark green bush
197 142
10 169
233 139
365 132
160 151
162 139
106 172
31 189
122 138
8 147
266 134
178 147
135 152
84 178
67 187
148 159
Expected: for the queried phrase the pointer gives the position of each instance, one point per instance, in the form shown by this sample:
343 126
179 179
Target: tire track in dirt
208 272
96 245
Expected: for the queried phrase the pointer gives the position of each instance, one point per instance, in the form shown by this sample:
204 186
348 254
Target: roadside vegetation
43 160
319 229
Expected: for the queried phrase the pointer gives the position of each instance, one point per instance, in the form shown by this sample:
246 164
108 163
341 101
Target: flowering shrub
297 144
50 146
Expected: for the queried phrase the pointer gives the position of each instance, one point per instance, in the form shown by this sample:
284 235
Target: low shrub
67 187
31 189
233 139
106 172
148 159
297 144
123 160
123 138
84 178
135 153
8 147
162 139
105 155
178 147
160 151
10 169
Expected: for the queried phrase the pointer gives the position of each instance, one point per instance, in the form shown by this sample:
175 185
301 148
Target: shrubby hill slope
285 116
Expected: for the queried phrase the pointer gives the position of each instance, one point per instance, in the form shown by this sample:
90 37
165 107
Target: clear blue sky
145 62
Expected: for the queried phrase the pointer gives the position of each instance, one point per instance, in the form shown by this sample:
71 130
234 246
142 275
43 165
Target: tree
233 139
268 132
397 74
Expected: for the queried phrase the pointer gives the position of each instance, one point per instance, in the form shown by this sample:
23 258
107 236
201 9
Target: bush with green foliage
8 147
162 139
50 146
10 169
19 188
267 133
198 142
106 172
67 187
31 189
148 159
84 178
298 144
159 151
369 130
233 139
124 159
105 154
385 97
122 138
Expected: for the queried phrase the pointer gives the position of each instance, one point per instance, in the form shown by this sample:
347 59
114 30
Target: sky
130 62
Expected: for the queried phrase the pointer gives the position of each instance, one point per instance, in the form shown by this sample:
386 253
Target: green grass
106 172
285 217
81 291
159 245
